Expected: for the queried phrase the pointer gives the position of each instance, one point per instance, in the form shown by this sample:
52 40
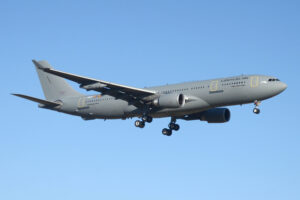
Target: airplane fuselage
200 96
198 100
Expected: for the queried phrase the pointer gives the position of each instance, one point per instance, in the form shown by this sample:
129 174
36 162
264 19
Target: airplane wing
41 101
118 91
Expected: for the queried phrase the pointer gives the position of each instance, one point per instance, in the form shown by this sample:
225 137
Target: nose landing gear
256 110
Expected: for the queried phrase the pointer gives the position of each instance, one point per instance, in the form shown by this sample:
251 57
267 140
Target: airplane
198 100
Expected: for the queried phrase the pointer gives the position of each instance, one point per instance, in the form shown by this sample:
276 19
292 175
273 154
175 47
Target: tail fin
54 87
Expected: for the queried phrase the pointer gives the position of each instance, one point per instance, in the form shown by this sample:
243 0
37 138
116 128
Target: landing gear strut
172 126
256 110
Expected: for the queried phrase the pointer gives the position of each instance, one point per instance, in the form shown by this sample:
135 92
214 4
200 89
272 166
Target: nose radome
283 86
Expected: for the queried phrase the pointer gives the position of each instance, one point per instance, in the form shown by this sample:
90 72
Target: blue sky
48 155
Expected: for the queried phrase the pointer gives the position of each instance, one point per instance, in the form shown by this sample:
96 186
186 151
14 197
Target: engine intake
170 101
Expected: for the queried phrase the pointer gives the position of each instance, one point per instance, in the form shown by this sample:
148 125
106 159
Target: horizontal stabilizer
41 101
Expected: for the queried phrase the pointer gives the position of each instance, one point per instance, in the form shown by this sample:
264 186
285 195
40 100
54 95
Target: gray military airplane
200 100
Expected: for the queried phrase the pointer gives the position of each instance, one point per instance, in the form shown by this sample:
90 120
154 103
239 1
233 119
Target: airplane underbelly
109 109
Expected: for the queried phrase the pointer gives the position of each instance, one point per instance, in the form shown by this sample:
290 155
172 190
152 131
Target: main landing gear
141 123
172 126
166 131
256 110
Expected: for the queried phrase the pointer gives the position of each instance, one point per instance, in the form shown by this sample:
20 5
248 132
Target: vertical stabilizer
54 87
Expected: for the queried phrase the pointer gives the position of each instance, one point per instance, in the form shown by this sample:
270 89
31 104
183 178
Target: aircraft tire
256 111
149 119
176 127
167 132
142 124
171 125
139 124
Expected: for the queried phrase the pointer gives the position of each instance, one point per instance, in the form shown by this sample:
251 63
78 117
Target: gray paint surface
199 95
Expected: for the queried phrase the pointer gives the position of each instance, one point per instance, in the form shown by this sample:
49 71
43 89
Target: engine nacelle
216 115
170 101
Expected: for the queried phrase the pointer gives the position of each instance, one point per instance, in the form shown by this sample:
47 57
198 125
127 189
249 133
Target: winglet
40 65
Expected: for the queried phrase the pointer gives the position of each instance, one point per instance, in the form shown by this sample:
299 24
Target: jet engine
214 115
170 101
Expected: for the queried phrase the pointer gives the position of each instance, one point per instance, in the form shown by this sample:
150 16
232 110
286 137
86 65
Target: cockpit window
273 79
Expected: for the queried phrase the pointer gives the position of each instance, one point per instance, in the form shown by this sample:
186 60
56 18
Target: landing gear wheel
142 124
256 111
171 126
174 126
139 124
177 127
167 132
144 118
147 119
